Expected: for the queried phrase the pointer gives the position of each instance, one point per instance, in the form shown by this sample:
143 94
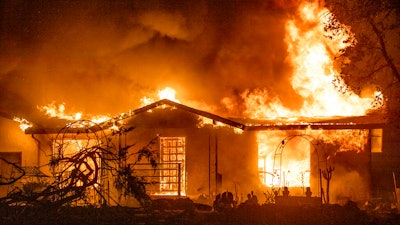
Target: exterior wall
238 164
385 166
351 177
212 150
13 139
236 156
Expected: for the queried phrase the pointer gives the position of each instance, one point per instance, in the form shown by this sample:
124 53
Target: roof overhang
327 123
373 121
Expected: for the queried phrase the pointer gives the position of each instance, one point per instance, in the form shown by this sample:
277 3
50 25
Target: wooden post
216 164
209 165
179 179
395 187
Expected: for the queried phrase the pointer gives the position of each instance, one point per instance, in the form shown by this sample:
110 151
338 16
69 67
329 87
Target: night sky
102 57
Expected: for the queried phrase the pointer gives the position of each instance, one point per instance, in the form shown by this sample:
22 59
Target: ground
249 215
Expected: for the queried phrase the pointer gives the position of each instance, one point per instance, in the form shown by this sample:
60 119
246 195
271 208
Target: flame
23 123
166 93
311 50
294 170
350 140
54 110
58 111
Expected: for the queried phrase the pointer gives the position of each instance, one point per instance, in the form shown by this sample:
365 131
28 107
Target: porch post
179 179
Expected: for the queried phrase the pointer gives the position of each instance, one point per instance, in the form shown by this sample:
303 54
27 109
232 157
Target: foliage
374 62
131 185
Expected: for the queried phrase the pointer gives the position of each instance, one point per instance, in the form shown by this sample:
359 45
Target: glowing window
173 171
376 140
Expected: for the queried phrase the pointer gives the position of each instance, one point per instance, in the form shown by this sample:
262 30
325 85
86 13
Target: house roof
327 123
360 122
164 102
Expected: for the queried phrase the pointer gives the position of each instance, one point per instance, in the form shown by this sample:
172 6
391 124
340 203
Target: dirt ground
246 215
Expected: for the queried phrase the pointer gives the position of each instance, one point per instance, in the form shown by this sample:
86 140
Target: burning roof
327 123
124 116
371 121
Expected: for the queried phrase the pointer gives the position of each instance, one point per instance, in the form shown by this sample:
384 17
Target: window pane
172 150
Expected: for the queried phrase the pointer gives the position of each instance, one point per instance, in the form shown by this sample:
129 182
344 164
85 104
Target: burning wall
209 150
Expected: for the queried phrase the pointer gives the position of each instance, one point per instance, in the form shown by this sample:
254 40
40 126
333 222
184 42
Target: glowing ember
23 123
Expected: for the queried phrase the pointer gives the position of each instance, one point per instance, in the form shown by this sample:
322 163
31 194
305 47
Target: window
376 140
173 172
7 169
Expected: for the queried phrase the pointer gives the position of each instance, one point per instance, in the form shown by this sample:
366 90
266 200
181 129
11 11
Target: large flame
311 51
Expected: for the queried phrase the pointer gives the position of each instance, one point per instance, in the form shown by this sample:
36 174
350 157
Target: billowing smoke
101 57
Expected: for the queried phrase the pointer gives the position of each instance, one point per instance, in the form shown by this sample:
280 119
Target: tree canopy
374 62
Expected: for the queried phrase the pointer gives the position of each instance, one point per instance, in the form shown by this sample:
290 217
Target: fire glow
166 93
311 50
23 123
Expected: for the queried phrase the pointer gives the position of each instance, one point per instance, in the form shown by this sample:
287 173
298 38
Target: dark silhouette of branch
11 179
76 174
383 49
327 174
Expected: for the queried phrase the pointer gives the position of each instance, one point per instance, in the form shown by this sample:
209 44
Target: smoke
101 57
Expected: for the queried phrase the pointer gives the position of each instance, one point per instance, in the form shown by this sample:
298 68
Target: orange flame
58 111
166 93
23 123
311 51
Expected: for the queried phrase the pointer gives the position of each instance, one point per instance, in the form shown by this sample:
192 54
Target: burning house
199 154
275 120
